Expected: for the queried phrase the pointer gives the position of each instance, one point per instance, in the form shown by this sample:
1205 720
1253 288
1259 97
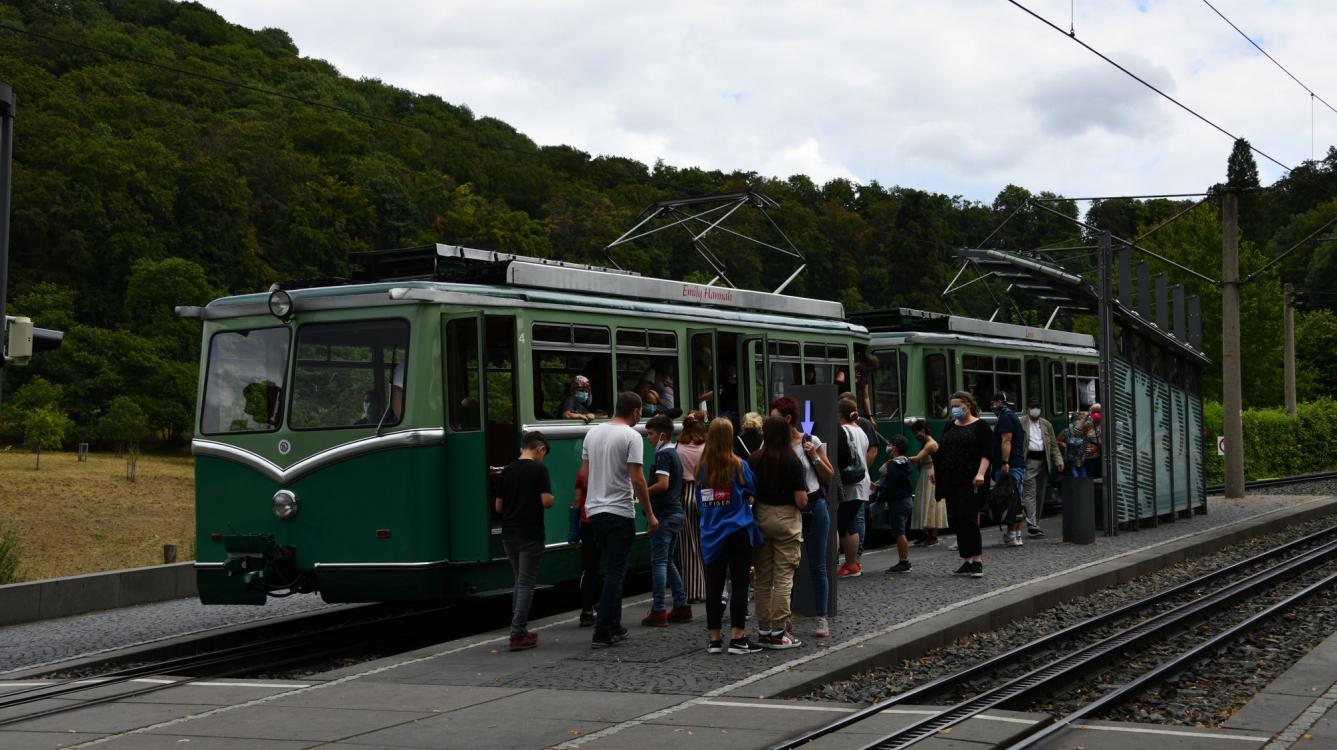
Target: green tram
925 357
348 434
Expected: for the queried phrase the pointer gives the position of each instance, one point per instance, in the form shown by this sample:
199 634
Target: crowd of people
731 512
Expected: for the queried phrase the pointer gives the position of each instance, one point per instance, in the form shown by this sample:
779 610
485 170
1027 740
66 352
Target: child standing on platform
666 499
523 492
897 492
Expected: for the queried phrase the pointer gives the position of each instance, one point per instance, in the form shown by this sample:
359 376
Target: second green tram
348 436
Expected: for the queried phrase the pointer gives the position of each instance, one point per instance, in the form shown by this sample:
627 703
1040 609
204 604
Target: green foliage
44 428
1276 444
9 555
124 423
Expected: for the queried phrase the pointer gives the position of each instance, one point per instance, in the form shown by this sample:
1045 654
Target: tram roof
346 296
904 319
932 338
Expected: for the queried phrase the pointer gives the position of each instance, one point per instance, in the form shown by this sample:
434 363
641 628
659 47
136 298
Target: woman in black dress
960 466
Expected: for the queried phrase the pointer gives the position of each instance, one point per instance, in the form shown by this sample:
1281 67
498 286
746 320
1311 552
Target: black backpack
852 469
1004 505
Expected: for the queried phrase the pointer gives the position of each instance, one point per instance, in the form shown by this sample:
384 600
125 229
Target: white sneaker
1014 542
953 547
823 629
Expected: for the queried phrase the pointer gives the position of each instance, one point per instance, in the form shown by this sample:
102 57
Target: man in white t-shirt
612 456
855 494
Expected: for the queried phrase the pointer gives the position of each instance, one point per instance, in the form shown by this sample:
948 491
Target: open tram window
1086 384
647 363
561 352
350 374
704 391
937 389
826 364
243 383
888 386
1057 393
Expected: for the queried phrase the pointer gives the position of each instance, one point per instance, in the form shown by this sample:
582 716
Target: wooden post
1288 324
1232 388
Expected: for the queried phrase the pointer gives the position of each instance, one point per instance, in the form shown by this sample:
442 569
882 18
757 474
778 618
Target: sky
953 96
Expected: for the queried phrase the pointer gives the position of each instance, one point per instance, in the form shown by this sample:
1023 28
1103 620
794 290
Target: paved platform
660 685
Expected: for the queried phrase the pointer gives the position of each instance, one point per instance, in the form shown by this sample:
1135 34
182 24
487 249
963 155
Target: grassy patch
73 518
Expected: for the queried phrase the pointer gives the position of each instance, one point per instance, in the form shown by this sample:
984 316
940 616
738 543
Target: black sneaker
607 641
964 570
587 619
744 646
901 567
620 633
715 647
976 570
1035 532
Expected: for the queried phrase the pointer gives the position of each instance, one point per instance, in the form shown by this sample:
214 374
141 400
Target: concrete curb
62 597
916 638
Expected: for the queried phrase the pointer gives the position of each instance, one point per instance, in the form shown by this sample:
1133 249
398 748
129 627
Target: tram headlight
285 505
280 304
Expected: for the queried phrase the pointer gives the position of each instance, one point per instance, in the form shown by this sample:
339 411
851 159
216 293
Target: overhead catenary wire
1268 56
1145 83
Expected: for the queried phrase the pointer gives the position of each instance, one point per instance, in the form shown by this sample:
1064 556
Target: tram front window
243 385
350 374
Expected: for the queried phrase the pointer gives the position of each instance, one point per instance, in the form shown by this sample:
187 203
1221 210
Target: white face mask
1035 413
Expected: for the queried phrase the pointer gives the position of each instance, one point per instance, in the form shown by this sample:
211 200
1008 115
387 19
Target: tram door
705 374
468 518
752 374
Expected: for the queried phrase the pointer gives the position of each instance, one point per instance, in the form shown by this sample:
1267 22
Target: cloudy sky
954 96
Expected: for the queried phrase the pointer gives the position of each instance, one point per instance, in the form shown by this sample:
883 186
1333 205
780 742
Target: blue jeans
663 573
862 525
815 539
614 535
525 556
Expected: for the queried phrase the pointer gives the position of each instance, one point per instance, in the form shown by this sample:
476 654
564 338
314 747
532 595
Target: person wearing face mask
372 408
959 468
576 405
659 381
1074 445
1095 433
1042 457
666 499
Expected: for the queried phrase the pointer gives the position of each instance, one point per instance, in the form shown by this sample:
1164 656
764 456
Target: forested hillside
138 187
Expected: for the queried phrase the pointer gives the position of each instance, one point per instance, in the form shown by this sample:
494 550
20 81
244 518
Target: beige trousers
776 560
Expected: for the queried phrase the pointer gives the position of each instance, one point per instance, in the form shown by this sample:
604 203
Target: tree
1241 169
124 423
44 428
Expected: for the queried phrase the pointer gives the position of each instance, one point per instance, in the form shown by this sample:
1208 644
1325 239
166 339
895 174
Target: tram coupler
248 556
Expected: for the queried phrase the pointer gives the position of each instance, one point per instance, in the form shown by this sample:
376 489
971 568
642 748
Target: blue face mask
958 413
583 396
649 410
366 408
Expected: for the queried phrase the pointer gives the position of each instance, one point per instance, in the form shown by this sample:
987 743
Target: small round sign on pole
1220 445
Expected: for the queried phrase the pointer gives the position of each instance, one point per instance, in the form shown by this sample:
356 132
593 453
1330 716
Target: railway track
1261 484
1318 549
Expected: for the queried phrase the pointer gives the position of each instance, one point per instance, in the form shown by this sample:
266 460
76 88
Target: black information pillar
818 405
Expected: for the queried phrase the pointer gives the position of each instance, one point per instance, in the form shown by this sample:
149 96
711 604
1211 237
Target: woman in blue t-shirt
724 491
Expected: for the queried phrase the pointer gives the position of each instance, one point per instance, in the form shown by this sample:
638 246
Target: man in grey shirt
612 456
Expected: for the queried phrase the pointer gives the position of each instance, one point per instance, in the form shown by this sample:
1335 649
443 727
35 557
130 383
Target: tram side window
349 374
785 362
1087 385
825 365
243 384
462 384
703 372
1034 382
1057 393
936 389
563 351
647 363
985 375
888 398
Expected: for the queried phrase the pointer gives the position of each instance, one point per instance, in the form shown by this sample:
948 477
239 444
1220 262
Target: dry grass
83 518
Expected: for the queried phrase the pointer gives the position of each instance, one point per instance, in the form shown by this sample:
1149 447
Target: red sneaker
680 614
524 642
656 619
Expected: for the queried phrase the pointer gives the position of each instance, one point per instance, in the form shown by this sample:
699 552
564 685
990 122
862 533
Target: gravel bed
882 683
1215 687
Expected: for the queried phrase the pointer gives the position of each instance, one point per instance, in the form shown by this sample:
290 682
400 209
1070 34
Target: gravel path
883 683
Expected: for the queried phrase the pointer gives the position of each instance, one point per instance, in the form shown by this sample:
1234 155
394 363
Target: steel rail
1065 668
1317 476
298 645
940 684
1137 684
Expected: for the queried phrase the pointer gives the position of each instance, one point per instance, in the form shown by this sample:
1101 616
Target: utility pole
6 161
1233 396
1288 325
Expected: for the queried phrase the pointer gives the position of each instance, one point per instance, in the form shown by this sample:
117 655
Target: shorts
898 515
847 516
